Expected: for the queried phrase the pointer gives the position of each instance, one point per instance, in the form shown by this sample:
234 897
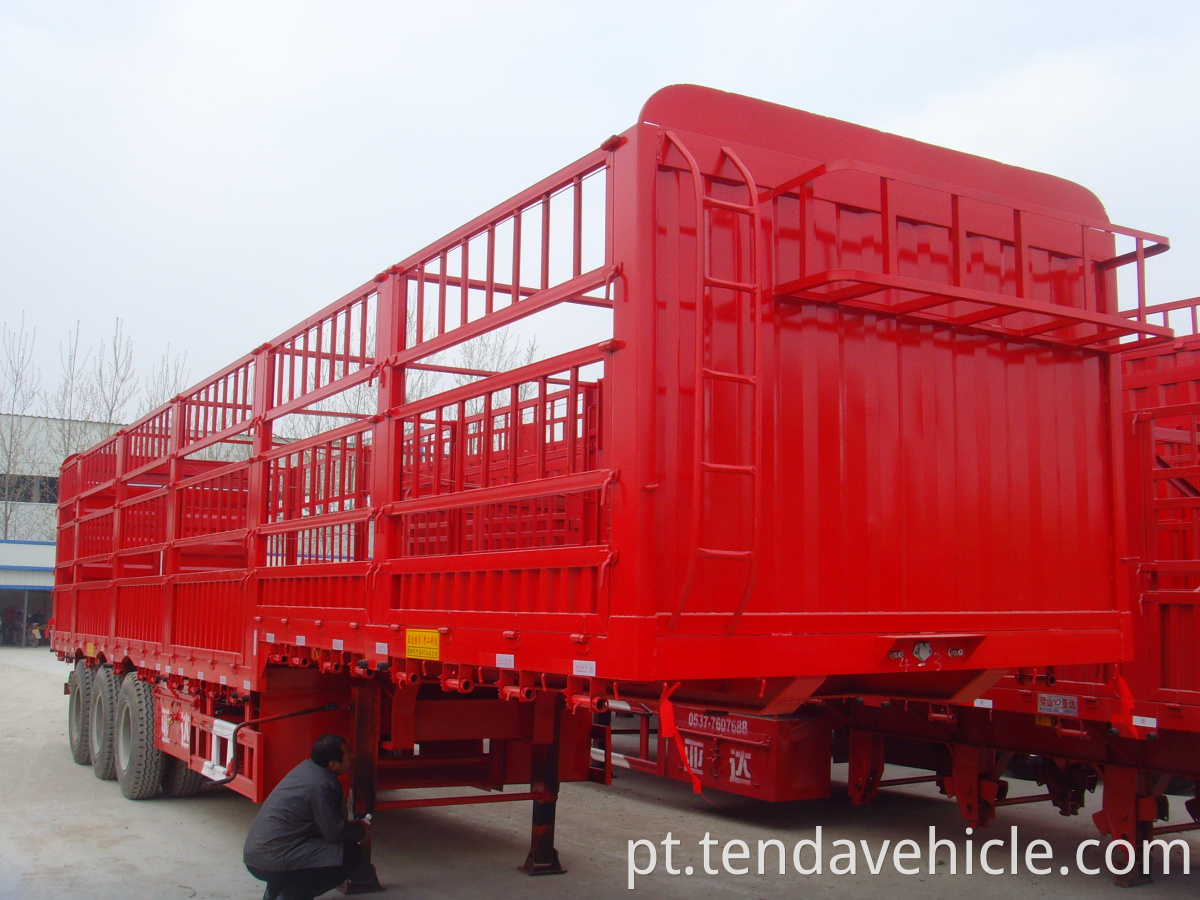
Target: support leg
1128 814
600 771
1066 783
543 858
366 758
1192 805
866 765
973 781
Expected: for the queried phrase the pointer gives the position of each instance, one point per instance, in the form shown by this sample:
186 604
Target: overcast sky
213 172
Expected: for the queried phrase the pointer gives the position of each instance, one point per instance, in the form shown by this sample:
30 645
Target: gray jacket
302 825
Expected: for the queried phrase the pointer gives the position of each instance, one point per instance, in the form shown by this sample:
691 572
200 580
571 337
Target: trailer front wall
847 439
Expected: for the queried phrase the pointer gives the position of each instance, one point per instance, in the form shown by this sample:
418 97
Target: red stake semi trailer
1131 729
1134 726
829 413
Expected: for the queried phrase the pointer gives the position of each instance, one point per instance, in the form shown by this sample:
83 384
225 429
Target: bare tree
113 378
361 400
169 376
419 383
72 403
496 351
19 391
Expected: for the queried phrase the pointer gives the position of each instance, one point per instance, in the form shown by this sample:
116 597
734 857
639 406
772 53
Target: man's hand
365 822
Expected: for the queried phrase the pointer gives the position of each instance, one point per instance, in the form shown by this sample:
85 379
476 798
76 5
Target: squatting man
301 844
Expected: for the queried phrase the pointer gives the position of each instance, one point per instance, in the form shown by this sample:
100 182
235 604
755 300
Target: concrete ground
65 834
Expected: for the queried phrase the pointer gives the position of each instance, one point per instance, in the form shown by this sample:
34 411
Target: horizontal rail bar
415 803
140 550
218 537
279 451
563 178
514 312
1160 308
217 437
345 517
504 380
1173 598
918 779
729 205
325 391
1016 801
351 568
727 468
744 287
223 471
1162 246
802 288
762 741
504 493
1166 412
958 190
588 556
724 554
145 468
718 375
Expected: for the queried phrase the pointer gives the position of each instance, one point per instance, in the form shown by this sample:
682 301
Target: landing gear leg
1129 810
866 765
543 858
366 753
1067 784
975 783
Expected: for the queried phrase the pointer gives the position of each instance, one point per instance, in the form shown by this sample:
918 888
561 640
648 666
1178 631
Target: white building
26 577
32 449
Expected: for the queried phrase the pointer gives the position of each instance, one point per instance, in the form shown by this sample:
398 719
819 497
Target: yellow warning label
422 643
89 650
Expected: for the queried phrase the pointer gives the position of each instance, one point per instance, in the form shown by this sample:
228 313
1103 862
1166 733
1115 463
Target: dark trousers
305 884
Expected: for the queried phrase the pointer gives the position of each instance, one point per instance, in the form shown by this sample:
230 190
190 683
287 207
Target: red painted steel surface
857 404
775 758
1157 693
1128 726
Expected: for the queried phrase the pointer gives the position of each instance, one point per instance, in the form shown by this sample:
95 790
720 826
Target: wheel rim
124 737
94 724
75 714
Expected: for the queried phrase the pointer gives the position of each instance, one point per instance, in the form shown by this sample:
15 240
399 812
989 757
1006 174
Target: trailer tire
138 763
79 686
180 781
102 721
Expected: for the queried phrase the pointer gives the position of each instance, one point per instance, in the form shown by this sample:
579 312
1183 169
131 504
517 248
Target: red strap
666 724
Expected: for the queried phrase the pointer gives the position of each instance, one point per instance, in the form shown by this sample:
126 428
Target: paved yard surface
64 834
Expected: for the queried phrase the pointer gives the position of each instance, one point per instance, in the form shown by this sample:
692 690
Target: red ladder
748 374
